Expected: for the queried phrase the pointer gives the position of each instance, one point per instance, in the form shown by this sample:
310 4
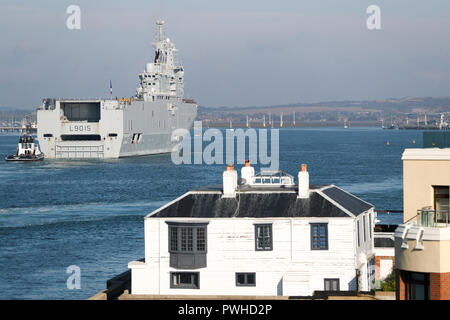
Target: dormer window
187 245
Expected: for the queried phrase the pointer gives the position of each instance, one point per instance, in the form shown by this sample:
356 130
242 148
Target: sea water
88 213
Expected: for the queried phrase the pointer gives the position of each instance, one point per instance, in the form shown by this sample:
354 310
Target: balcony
432 218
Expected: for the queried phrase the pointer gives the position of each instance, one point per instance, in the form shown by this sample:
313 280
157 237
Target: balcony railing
432 218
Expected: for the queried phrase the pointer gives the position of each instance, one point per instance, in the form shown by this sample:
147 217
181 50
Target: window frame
246 283
364 228
319 224
331 279
437 195
187 246
410 283
193 285
259 225
358 232
194 227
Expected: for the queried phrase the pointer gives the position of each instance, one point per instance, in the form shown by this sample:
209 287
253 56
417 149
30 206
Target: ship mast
160 24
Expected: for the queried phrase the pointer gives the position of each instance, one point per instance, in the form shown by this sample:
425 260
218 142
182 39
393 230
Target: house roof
264 202
347 200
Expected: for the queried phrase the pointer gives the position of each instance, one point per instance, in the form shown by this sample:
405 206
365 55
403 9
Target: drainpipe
358 273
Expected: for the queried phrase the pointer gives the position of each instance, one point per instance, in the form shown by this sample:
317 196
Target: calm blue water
54 214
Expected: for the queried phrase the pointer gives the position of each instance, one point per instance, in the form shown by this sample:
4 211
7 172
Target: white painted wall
386 266
365 250
291 268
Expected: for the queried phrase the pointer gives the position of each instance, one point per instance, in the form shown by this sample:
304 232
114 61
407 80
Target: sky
235 53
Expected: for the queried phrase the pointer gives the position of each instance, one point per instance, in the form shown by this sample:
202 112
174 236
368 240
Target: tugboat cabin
26 146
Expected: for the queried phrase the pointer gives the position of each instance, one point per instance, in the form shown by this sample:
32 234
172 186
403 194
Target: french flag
110 87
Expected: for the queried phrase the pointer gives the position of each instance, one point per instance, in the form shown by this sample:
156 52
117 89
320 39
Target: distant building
422 242
384 252
259 235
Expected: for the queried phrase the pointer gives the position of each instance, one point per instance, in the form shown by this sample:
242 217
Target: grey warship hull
144 124
112 128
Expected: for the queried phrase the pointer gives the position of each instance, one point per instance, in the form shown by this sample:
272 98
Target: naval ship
111 128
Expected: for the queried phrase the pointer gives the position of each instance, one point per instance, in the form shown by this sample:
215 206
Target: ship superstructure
112 128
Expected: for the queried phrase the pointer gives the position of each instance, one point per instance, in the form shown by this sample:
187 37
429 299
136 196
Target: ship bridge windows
81 111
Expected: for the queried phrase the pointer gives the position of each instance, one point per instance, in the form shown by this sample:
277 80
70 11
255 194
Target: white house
259 235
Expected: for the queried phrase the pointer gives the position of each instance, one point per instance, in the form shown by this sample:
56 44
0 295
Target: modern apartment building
422 242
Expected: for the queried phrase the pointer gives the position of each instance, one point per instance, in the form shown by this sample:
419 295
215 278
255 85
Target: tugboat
27 150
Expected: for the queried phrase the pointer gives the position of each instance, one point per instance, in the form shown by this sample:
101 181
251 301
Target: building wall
434 258
400 287
423 169
440 286
365 251
291 268
380 273
418 178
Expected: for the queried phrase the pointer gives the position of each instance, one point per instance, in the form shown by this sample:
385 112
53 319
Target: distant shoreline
298 124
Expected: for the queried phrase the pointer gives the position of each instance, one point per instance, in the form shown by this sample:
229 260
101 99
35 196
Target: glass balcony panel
433 219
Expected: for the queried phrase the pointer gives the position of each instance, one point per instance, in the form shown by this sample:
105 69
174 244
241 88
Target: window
417 285
441 198
201 239
331 284
245 279
357 231
173 239
364 228
319 236
263 237
185 280
187 245
370 226
187 239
